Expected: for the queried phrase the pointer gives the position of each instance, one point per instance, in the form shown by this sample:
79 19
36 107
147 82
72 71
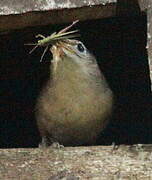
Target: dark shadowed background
119 45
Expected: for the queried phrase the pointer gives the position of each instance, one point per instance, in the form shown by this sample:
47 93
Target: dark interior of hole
119 46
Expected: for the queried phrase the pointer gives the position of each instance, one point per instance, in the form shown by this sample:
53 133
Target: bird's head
73 50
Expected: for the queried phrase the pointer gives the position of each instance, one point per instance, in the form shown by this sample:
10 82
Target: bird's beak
58 49
56 52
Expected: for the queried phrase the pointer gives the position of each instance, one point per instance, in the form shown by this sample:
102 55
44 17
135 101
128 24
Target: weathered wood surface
98 162
16 14
19 7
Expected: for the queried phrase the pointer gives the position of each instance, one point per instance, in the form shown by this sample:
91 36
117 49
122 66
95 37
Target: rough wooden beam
102 162
143 4
17 14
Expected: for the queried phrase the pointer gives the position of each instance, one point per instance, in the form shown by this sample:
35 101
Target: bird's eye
80 47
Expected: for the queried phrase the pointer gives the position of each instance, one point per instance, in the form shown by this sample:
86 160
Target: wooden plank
18 14
98 162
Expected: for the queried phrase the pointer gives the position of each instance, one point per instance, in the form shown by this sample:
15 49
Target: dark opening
119 45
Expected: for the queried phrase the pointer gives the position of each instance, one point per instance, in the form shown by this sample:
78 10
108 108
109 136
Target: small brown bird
76 102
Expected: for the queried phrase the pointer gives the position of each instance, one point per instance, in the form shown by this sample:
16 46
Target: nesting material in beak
58 52
54 38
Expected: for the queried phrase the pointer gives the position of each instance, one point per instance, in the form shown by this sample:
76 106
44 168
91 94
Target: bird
75 104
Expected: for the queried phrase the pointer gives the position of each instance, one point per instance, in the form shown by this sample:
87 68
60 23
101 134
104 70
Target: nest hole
119 45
